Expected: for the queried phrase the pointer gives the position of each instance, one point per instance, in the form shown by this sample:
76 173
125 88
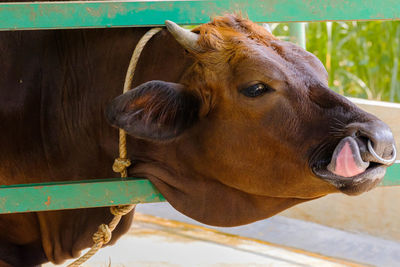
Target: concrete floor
306 236
154 241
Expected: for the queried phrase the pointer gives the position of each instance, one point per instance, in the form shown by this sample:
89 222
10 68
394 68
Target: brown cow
231 125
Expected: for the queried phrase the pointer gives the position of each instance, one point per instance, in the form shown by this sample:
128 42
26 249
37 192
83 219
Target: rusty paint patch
47 203
94 12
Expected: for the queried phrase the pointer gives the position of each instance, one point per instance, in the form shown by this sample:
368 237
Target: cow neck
121 164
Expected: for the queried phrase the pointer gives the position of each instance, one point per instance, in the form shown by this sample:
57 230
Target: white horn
185 37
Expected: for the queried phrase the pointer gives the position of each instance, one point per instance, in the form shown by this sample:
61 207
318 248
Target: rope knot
102 235
121 164
121 210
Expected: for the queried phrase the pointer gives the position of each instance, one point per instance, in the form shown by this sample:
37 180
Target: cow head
251 128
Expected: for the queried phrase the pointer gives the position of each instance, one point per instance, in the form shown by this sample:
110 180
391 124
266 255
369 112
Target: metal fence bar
101 14
297 31
392 177
74 195
97 193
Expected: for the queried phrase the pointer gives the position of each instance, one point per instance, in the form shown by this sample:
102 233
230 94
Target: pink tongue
345 163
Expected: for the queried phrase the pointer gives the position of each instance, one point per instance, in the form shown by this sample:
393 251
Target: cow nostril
375 141
380 159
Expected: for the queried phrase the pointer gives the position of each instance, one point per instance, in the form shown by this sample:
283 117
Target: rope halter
104 232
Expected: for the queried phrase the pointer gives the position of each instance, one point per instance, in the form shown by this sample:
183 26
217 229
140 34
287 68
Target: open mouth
347 170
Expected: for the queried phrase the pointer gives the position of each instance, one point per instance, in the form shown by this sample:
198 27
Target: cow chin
213 203
354 185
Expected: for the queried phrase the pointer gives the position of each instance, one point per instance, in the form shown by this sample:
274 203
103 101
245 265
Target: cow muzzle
359 161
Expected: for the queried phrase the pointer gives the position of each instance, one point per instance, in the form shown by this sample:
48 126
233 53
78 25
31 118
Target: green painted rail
97 193
79 194
101 14
392 177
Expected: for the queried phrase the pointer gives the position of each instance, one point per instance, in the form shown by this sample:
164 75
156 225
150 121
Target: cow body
53 89
209 162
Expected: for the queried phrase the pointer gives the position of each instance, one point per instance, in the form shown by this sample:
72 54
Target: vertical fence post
297 31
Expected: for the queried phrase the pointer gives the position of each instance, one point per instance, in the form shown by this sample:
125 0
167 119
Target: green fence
42 15
69 15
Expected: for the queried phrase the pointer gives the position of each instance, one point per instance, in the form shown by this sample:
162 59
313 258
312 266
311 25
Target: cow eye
256 90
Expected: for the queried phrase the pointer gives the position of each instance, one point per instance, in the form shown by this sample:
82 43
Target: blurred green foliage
362 58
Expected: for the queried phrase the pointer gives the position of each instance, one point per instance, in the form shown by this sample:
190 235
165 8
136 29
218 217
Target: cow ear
155 110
